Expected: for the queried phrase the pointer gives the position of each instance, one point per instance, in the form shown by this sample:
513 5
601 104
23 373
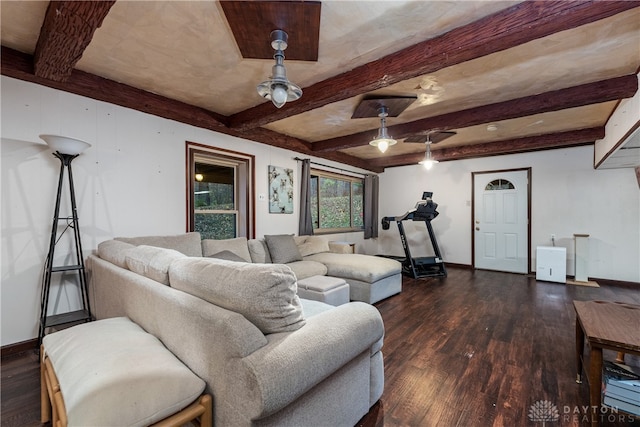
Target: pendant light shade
383 140
428 161
278 88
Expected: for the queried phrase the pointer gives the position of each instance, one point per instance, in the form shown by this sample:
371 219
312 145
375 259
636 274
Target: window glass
220 188
215 212
499 184
357 204
336 202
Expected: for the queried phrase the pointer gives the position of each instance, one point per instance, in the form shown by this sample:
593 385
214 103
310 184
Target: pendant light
383 140
278 88
428 161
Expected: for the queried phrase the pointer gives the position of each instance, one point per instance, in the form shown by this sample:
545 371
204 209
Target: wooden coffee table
611 325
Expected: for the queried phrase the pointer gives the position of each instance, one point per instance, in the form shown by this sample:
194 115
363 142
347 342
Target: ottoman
330 290
112 373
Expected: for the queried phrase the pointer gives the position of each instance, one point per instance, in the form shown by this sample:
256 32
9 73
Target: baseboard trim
17 348
455 265
616 283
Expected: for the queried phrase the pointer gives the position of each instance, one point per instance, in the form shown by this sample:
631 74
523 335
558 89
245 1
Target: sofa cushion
229 256
283 248
304 269
113 373
265 294
237 245
365 268
259 251
152 262
187 243
313 245
114 251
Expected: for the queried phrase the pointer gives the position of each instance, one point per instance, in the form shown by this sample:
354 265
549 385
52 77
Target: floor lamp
65 149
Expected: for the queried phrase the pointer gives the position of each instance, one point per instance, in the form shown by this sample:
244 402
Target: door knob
477 228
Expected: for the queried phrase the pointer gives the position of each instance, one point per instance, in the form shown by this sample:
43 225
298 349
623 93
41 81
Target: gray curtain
305 225
370 206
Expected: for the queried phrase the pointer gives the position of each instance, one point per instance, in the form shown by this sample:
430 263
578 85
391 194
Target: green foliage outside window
219 197
215 226
336 203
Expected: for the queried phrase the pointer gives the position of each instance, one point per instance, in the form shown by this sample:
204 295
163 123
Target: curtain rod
328 166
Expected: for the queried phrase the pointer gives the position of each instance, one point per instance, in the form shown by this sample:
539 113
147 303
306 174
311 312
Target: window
499 184
220 192
336 202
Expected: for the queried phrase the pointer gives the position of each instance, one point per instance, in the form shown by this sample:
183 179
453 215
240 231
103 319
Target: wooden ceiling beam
576 96
519 24
512 146
66 32
20 66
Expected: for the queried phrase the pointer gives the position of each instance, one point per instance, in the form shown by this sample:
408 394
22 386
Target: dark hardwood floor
478 348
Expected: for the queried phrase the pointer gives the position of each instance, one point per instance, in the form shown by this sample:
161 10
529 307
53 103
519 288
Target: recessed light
492 128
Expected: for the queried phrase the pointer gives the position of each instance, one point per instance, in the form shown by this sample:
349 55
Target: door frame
473 212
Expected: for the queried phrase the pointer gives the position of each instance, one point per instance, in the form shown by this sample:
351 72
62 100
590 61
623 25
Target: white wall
568 197
131 182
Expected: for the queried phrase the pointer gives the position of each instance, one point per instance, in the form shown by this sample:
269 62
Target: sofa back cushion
238 246
114 251
313 245
152 262
283 248
187 243
265 294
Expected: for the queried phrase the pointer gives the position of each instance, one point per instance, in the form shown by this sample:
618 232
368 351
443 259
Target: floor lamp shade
65 145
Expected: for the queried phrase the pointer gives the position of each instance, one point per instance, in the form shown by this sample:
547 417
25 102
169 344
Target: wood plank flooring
478 348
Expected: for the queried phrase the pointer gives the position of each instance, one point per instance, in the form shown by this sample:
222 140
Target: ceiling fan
430 137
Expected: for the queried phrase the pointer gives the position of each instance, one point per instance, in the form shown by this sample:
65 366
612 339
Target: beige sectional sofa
370 278
267 356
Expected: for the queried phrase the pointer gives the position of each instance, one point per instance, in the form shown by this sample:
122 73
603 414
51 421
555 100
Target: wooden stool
84 364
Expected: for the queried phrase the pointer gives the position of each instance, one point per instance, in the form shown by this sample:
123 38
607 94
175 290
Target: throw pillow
228 256
313 245
238 246
265 294
152 262
259 251
283 248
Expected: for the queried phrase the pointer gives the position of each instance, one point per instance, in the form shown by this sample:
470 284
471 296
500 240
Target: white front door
501 221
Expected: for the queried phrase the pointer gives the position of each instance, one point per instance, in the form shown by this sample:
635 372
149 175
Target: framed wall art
280 190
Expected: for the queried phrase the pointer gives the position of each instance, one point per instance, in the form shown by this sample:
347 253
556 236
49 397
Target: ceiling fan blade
434 136
416 138
441 135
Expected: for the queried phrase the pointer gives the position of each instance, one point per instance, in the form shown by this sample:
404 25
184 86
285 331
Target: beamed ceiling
544 74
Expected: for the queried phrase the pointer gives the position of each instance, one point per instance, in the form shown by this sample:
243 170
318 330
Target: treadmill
431 266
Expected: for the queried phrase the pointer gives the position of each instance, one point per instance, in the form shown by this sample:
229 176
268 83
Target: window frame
244 184
320 173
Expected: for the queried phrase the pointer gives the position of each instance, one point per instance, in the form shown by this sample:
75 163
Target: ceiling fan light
278 88
382 143
279 95
428 161
383 140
